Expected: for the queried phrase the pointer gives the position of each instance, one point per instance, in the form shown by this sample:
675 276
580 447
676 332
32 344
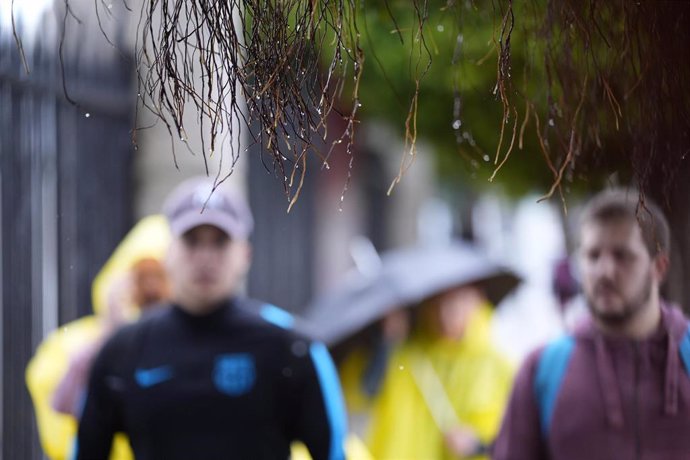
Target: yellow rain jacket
432 385
350 371
354 450
149 238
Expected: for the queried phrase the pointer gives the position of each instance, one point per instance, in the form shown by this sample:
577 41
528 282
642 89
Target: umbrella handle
434 393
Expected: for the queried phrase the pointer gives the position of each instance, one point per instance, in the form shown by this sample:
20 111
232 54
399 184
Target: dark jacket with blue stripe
231 384
586 396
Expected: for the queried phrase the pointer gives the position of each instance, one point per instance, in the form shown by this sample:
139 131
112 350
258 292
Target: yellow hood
150 237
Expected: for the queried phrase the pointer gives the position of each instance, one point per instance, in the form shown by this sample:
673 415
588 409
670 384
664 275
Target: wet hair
617 204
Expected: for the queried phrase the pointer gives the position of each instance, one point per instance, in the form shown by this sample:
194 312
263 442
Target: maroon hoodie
618 399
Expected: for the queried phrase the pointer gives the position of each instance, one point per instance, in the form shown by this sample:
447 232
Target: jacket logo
147 378
234 374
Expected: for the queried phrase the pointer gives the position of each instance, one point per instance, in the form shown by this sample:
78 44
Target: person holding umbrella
444 384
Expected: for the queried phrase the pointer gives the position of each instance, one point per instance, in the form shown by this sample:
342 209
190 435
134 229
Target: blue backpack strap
684 348
277 316
551 368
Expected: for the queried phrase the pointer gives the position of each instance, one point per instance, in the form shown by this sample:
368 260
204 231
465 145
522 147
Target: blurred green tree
573 95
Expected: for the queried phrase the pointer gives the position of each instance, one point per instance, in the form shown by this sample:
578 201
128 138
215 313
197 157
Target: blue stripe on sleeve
80 411
277 316
685 350
333 398
551 368
75 449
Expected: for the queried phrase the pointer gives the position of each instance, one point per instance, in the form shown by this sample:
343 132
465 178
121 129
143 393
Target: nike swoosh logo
147 378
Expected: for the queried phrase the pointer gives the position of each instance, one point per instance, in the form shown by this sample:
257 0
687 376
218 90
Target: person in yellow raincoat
445 387
147 241
362 360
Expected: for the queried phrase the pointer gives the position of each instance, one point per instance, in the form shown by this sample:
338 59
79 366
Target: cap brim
186 222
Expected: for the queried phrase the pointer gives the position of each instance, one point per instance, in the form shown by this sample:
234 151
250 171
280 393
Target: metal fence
283 244
65 194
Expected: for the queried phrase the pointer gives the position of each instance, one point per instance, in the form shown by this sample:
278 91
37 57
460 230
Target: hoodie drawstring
671 378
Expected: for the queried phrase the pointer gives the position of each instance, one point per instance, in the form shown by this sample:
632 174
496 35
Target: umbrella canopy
405 278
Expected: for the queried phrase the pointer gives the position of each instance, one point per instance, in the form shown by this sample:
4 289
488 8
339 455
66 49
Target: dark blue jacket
230 384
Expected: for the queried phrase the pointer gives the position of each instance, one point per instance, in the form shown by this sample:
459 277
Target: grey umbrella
405 278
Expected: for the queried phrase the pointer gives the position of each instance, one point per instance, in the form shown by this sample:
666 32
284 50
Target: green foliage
459 111
586 70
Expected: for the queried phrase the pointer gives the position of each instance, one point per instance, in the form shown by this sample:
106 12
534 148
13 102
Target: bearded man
618 386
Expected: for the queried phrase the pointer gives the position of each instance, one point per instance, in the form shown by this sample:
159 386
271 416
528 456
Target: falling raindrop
486 158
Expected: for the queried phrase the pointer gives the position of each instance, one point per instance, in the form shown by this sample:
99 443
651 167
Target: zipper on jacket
636 400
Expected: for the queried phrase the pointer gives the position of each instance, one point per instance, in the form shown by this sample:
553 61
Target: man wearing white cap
217 375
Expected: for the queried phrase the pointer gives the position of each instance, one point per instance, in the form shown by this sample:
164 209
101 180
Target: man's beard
629 310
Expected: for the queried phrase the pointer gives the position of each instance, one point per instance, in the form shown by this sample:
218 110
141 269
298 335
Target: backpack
553 363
